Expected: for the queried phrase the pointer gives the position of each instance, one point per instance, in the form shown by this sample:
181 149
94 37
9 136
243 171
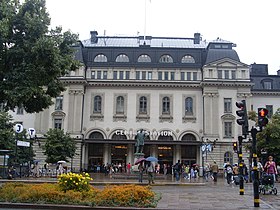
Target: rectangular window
166 75
143 75
227 105
228 129
233 74
188 76
270 110
226 74
127 75
195 76
105 75
115 75
98 74
150 75
92 74
121 75
59 103
220 74
210 73
137 74
58 123
243 74
160 75
182 75
172 76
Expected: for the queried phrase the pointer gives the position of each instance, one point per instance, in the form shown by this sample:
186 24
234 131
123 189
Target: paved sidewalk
187 194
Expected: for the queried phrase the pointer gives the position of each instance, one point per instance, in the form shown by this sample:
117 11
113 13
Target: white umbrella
61 161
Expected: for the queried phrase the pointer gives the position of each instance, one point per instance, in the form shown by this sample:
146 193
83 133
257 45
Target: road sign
18 128
23 143
31 132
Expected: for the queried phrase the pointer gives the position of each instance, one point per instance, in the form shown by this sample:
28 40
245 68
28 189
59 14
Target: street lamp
206 147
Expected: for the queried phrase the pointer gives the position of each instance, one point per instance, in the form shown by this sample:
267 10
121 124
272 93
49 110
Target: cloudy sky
251 24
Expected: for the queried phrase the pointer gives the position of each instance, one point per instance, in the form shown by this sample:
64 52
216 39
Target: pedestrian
215 171
260 169
177 170
141 171
165 169
151 171
270 167
206 171
228 172
235 169
128 168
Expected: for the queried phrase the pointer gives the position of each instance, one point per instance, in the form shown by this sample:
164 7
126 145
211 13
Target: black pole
255 168
240 163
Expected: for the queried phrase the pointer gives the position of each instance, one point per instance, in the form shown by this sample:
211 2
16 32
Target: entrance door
119 153
165 156
95 157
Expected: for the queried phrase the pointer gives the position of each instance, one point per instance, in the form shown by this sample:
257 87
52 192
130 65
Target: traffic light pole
255 168
240 164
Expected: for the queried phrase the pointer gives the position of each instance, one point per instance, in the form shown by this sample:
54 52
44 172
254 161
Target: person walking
215 171
228 172
141 171
270 167
177 170
151 171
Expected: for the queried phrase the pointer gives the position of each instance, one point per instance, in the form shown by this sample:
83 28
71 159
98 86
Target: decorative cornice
244 95
156 84
76 92
227 83
265 93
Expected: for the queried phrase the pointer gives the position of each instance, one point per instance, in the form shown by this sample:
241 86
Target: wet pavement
187 194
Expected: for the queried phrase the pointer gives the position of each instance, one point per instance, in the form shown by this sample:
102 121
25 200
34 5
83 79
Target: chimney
278 72
196 38
93 37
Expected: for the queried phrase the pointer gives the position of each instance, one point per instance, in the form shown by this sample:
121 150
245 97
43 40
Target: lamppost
206 147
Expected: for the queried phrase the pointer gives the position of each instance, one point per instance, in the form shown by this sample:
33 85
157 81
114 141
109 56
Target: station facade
180 91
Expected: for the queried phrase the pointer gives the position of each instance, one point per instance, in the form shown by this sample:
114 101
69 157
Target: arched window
188 106
188 137
100 58
120 105
228 157
143 105
97 104
122 58
166 59
165 105
119 137
187 59
96 135
144 59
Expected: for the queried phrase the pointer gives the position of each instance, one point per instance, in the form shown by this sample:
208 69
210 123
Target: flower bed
121 195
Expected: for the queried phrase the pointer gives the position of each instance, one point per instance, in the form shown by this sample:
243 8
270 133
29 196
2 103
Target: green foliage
58 146
269 138
76 182
32 57
6 132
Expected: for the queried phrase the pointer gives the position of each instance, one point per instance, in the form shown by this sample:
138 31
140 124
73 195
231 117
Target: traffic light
262 117
235 149
242 112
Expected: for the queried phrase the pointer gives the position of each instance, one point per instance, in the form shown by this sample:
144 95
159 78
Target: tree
58 146
32 56
269 138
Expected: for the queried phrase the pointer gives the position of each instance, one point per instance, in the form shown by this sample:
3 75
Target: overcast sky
251 24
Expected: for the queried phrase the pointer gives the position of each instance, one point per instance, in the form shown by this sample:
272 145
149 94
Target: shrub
72 181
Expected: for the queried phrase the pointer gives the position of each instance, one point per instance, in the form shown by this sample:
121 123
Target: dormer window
100 58
166 59
122 58
267 85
